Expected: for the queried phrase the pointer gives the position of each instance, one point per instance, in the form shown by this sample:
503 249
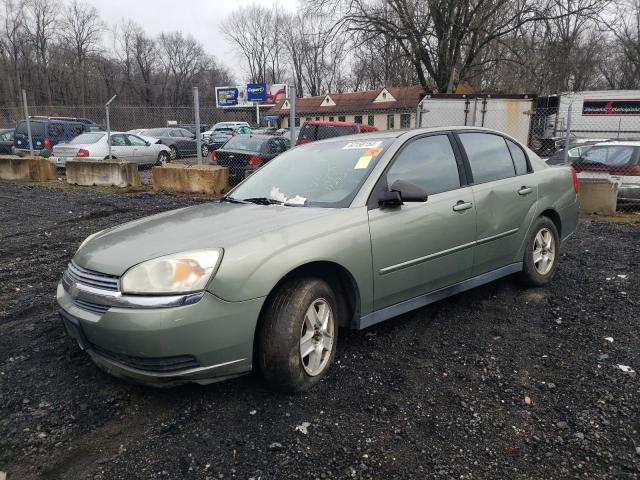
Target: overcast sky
201 18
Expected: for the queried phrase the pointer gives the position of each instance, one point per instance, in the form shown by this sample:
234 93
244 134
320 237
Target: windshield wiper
262 201
230 200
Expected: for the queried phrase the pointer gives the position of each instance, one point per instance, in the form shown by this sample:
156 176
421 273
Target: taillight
214 157
47 143
82 153
255 161
576 184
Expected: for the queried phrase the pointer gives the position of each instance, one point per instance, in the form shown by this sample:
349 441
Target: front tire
298 335
541 253
163 158
173 152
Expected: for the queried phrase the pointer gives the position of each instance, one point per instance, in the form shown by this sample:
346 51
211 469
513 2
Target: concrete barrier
598 195
28 169
117 173
208 179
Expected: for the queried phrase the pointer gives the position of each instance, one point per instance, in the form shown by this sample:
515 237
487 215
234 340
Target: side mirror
147 143
401 192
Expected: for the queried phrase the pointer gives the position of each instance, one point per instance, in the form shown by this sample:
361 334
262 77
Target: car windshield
611 156
37 128
317 174
244 143
86 138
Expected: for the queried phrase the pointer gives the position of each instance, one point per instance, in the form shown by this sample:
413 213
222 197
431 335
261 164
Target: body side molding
431 297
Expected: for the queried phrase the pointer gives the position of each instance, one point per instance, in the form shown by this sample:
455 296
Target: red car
319 130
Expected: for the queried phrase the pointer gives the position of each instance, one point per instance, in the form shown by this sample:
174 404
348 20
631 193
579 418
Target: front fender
252 268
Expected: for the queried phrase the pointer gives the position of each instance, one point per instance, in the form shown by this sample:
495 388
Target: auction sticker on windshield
361 145
364 160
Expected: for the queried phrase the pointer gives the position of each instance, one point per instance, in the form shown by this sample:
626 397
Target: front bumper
203 342
629 192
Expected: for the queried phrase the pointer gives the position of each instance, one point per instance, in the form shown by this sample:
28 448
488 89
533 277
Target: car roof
618 143
413 132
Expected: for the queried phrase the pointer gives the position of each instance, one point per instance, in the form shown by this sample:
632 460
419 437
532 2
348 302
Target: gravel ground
499 382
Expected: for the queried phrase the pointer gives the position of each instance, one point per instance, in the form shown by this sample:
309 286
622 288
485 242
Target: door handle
525 190
462 206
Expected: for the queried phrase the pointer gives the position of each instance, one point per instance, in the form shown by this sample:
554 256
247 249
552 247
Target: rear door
505 193
120 148
421 247
142 153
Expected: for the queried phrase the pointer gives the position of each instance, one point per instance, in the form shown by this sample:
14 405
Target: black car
6 140
181 142
243 154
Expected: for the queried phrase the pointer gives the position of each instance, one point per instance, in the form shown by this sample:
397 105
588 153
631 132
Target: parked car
126 146
6 140
286 133
181 142
226 126
345 232
618 159
46 132
575 150
243 154
191 127
319 130
222 136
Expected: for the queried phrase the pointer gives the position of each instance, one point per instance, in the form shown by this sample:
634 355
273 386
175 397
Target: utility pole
196 107
26 117
106 106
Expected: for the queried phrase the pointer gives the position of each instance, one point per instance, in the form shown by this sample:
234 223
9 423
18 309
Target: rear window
86 138
243 142
37 128
610 156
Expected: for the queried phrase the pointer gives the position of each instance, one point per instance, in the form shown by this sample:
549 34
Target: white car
223 126
124 146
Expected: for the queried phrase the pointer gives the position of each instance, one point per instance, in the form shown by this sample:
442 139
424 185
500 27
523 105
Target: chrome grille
90 306
77 274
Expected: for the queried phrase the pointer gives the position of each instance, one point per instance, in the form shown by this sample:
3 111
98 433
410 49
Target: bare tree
39 22
82 31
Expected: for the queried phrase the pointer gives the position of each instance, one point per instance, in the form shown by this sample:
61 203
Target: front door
505 195
421 247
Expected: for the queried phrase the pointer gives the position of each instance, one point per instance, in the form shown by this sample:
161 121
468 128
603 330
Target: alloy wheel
316 338
544 251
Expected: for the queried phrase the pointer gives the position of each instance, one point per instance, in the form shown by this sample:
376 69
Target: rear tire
204 150
298 335
541 254
173 152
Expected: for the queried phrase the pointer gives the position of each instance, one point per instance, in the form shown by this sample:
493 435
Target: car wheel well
338 277
555 218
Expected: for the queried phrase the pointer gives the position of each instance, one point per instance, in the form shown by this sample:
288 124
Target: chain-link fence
124 118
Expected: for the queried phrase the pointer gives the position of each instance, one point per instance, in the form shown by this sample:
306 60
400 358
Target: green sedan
345 232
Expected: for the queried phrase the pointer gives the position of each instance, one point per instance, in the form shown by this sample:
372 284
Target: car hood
210 225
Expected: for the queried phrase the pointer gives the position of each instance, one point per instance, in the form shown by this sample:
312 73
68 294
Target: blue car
46 132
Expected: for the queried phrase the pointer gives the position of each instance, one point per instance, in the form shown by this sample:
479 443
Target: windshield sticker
359 145
364 160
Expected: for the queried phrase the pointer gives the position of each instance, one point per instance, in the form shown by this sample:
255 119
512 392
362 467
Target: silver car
125 146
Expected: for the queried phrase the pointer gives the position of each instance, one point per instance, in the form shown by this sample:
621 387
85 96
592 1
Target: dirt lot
500 382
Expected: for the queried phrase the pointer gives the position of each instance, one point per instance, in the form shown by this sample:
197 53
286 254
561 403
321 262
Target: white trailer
594 114
510 114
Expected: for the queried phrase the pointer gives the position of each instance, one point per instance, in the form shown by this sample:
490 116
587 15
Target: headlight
177 273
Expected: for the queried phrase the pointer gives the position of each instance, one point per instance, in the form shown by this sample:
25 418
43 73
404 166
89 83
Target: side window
136 141
5 137
488 156
428 162
55 130
519 158
272 147
76 129
118 141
